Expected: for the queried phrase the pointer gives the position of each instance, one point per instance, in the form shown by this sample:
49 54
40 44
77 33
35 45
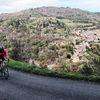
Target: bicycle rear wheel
6 73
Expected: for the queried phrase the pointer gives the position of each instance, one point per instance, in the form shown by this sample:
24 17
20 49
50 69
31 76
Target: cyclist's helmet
1 48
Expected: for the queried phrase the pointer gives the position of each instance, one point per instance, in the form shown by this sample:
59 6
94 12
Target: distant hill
59 12
69 13
98 13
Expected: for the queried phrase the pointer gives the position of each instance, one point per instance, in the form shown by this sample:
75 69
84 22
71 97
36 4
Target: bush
87 69
78 42
70 49
69 56
54 47
94 57
36 50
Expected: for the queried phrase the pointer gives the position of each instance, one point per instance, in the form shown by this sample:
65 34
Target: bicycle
4 69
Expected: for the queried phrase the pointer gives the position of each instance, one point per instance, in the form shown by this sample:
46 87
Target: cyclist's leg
1 63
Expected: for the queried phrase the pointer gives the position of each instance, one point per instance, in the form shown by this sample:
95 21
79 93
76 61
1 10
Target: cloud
17 5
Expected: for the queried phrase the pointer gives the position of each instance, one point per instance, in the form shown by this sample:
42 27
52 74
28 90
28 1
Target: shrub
69 56
36 50
94 56
70 49
54 47
78 42
87 69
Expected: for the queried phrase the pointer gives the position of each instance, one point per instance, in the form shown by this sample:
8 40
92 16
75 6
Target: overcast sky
7 6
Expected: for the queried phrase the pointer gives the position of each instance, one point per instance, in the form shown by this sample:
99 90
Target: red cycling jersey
4 53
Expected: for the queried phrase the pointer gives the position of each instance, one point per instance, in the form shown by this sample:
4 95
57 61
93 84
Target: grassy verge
22 66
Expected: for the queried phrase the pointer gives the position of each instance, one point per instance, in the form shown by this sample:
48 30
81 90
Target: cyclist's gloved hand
5 58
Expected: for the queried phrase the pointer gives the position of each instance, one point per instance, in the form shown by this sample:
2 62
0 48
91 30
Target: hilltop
60 12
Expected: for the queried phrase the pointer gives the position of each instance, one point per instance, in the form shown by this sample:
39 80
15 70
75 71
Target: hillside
69 13
60 12
98 13
56 38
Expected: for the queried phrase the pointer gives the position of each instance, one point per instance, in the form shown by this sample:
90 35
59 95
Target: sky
9 6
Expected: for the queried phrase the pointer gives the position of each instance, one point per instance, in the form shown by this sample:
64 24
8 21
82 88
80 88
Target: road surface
22 86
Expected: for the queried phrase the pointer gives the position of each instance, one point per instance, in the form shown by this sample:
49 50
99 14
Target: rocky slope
56 38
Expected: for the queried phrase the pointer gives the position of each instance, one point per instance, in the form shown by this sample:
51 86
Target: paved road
22 86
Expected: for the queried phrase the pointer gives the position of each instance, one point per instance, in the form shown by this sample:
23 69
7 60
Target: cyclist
3 53
3 58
